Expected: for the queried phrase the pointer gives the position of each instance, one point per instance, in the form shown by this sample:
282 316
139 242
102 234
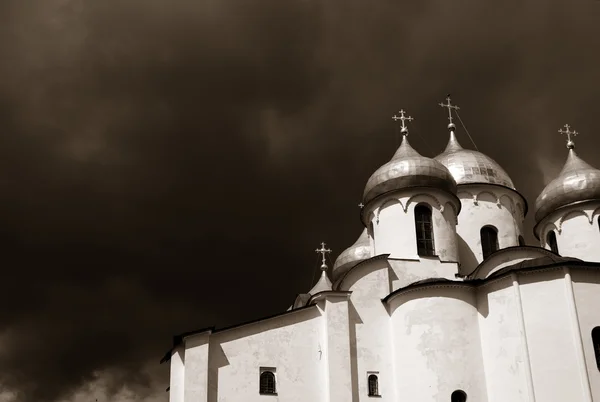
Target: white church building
439 299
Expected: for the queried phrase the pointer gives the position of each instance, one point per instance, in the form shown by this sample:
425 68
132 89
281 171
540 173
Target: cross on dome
323 251
449 106
404 129
569 133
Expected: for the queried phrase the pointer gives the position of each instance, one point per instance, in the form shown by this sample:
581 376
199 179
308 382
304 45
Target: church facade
439 299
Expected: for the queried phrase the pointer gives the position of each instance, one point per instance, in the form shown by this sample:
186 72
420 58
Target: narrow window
521 241
489 240
424 226
596 342
458 396
373 385
551 241
267 382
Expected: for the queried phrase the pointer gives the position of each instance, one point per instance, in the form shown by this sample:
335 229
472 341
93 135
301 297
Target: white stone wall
293 344
484 205
551 337
370 333
394 229
503 344
436 344
586 286
576 229
177 379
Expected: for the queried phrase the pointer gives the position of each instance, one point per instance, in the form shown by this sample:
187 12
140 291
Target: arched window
521 241
551 241
267 382
596 342
458 396
424 226
373 385
489 240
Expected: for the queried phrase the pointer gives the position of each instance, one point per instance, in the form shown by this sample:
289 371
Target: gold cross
404 129
323 251
569 133
450 107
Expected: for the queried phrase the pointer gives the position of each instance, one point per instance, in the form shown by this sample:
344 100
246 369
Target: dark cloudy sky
167 165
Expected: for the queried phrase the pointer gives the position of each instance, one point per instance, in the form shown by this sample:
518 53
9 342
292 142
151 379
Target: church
438 300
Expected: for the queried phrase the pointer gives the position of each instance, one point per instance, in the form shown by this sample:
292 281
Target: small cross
323 251
450 106
361 205
569 133
404 129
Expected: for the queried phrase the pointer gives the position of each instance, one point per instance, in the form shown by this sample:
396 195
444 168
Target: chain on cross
449 106
402 118
569 133
323 251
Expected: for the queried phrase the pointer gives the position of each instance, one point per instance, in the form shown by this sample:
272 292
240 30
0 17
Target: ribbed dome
578 181
359 251
472 167
408 169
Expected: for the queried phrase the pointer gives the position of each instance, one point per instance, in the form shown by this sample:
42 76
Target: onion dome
323 284
408 169
577 182
472 167
359 251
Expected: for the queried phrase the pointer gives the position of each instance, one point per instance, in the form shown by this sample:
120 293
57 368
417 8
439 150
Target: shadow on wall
354 321
468 261
216 356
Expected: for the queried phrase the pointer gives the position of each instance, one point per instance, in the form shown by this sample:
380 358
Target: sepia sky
167 165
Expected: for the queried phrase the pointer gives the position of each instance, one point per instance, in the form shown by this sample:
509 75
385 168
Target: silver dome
408 169
472 167
578 181
359 251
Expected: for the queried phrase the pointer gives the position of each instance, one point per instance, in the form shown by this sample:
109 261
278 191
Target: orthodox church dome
472 167
577 182
359 251
408 169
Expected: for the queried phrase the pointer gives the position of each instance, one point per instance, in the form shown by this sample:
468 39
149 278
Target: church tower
567 210
410 208
492 212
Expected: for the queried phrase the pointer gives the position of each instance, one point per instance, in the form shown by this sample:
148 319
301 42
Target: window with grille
551 241
489 241
596 342
373 385
267 382
424 226
458 396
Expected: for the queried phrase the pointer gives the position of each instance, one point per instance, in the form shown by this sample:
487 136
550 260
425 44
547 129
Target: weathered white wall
177 379
291 343
550 336
502 342
370 332
576 229
405 272
436 344
196 368
484 205
394 229
586 287
337 351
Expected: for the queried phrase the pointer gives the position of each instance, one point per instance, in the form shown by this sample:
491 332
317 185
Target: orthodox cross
404 129
569 133
323 251
450 106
